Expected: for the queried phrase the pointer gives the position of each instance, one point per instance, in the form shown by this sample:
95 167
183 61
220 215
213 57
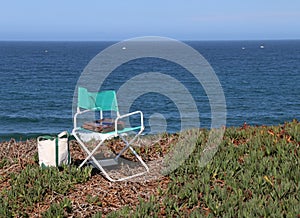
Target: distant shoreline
182 40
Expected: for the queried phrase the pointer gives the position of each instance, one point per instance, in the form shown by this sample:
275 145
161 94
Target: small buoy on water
262 46
124 48
46 51
243 48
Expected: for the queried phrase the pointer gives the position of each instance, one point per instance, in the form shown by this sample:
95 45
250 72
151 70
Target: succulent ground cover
255 173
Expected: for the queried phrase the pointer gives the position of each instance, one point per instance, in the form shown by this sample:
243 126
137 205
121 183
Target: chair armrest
128 115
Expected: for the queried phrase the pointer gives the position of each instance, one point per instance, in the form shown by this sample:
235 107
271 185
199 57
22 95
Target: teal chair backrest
104 100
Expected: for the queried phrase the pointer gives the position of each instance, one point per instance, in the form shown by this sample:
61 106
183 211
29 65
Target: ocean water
38 79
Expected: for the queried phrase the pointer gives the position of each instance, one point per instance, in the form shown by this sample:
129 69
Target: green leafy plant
58 210
34 184
255 173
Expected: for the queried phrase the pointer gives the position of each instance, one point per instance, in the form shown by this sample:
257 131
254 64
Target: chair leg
127 144
90 156
140 159
132 150
135 154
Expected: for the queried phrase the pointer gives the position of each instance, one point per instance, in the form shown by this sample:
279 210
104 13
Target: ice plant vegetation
255 173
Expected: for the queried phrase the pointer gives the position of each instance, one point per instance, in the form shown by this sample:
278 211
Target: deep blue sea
261 85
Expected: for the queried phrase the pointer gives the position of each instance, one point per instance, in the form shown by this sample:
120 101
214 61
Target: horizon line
115 40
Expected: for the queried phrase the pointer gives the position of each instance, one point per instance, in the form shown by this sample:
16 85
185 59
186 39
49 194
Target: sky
110 20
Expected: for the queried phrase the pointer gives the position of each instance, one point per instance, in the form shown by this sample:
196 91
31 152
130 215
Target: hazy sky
123 19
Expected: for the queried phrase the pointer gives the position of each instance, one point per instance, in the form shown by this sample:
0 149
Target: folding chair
105 101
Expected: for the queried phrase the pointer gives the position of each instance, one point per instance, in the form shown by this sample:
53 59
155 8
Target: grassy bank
256 172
